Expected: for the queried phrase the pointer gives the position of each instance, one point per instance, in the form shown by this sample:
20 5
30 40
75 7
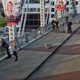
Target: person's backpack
70 23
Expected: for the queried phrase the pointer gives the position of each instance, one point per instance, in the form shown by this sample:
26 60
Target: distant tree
2 13
2 22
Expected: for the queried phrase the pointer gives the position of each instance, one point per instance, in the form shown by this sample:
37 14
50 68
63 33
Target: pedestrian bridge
34 34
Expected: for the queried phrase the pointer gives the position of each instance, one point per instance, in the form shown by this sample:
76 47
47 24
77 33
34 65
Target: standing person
69 29
6 46
13 48
57 27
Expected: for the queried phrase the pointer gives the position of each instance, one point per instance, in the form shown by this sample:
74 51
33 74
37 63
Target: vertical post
59 14
42 14
60 7
20 25
25 17
48 11
62 15
12 32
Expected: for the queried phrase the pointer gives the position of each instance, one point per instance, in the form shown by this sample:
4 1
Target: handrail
34 34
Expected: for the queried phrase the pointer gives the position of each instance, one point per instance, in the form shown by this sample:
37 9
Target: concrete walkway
31 56
64 65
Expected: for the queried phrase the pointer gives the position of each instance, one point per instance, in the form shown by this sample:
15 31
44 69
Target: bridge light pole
42 14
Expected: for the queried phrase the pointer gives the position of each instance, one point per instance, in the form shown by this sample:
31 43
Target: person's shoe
16 59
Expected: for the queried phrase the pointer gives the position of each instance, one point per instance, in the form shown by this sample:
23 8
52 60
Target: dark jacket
4 44
69 24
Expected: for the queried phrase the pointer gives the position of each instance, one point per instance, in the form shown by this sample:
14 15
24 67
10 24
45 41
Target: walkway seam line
50 55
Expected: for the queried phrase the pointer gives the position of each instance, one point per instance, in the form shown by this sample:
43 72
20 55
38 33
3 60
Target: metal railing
33 35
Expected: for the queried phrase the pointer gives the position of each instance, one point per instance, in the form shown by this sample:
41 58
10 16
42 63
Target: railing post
26 37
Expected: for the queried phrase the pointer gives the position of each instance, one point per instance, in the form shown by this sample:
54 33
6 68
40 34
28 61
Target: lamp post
42 14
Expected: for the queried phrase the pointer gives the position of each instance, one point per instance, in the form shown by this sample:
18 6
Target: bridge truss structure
43 19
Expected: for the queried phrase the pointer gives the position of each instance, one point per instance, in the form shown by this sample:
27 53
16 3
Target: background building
33 11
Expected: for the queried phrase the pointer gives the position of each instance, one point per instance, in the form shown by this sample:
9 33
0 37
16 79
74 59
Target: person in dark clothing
53 24
69 29
57 27
6 46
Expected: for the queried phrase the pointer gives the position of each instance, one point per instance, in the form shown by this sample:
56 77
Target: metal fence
33 35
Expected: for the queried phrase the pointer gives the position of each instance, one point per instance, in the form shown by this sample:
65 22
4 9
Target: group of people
12 48
12 14
55 24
